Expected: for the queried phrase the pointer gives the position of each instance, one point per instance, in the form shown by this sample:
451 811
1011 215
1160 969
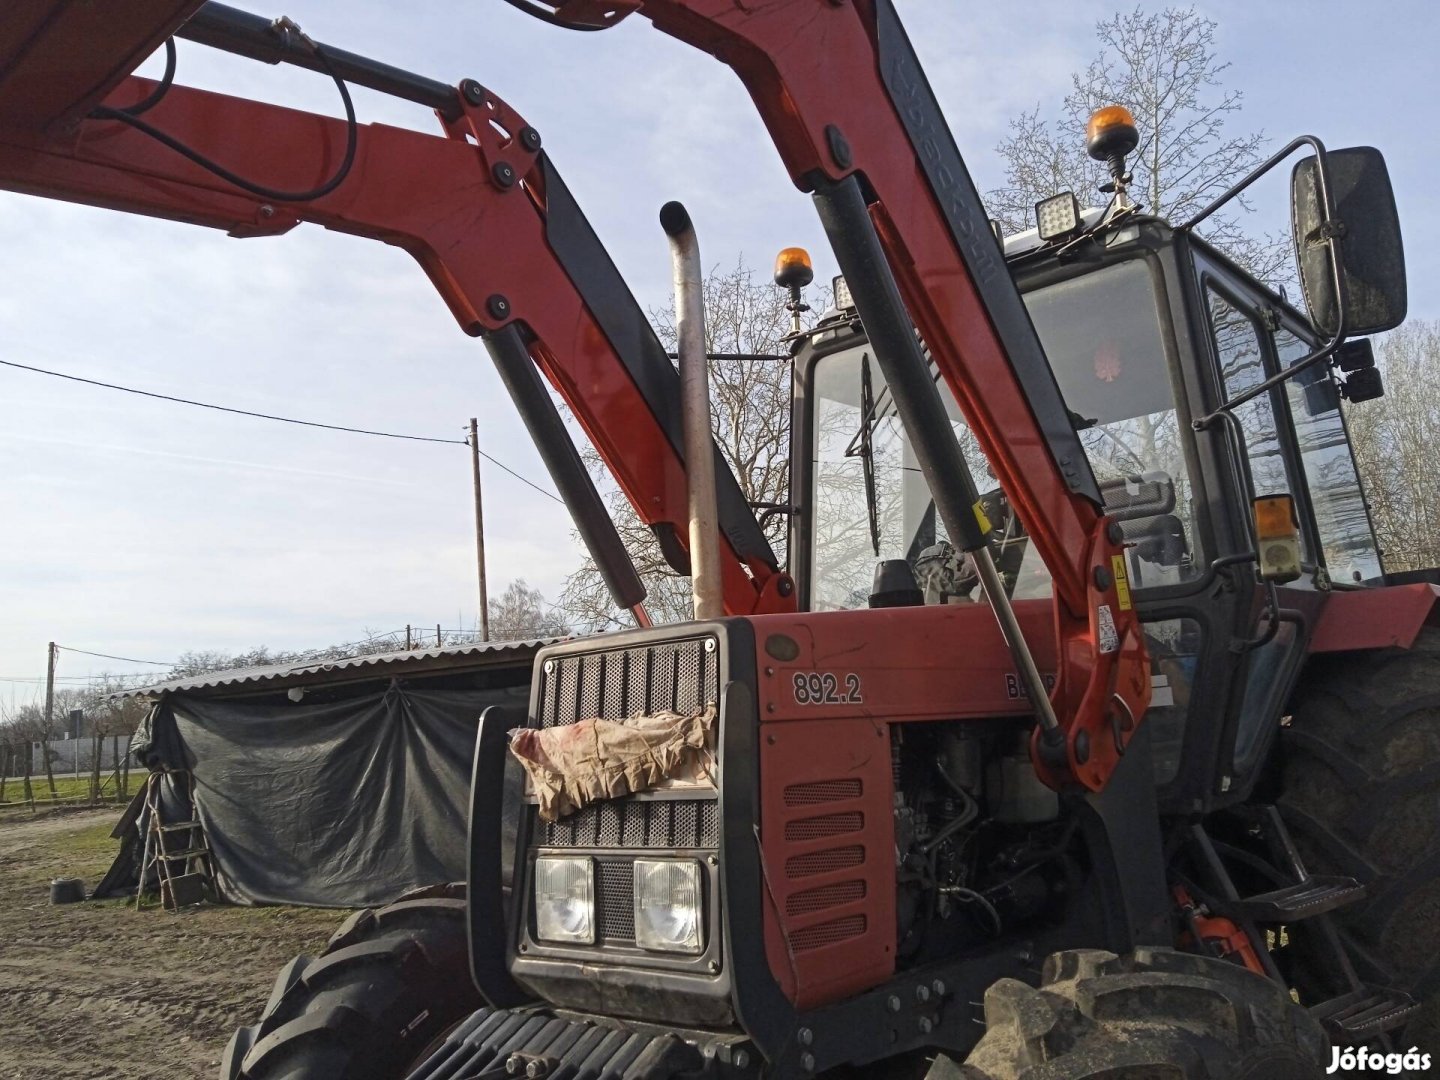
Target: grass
66 788
87 853
91 846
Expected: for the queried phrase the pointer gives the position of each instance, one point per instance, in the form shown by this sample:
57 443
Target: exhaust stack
695 412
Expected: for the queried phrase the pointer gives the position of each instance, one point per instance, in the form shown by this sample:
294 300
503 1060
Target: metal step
1365 1013
1311 897
181 827
189 853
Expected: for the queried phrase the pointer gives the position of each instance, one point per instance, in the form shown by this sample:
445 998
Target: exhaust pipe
705 578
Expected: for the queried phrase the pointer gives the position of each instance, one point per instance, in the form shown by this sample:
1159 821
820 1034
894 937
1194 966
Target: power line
228 409
281 419
128 659
40 679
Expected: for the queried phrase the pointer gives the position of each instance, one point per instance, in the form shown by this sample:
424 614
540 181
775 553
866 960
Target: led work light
1059 215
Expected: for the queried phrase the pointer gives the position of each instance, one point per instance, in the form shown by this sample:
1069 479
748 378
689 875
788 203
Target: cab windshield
1106 346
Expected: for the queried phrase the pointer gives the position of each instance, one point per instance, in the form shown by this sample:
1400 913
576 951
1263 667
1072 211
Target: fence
73 767
76 757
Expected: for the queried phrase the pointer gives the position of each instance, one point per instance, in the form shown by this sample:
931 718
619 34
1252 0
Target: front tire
390 982
1154 1014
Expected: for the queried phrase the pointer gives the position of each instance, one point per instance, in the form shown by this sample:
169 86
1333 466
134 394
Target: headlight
667 905
565 900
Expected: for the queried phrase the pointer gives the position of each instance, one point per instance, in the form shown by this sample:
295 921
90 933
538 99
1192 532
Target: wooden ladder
195 880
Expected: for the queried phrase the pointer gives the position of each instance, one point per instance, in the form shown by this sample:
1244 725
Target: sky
145 529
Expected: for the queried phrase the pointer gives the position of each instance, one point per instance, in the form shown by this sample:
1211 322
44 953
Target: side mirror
1159 540
1362 378
1372 259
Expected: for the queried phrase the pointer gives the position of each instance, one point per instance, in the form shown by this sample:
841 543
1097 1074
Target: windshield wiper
863 447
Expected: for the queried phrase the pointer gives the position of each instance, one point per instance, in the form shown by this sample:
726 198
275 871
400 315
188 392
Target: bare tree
22 728
520 613
1395 439
30 724
199 662
745 318
1165 69
105 716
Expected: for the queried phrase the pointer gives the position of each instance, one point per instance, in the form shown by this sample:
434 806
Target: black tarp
345 803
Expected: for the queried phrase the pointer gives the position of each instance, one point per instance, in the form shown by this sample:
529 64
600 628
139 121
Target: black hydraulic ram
542 419
240 32
918 404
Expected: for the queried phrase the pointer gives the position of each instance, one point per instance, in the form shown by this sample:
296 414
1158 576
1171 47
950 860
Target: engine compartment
981 847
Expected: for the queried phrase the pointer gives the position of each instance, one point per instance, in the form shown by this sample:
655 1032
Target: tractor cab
1209 408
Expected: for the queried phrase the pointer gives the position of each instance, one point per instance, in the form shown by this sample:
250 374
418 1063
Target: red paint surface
1374 618
916 663
829 933
58 59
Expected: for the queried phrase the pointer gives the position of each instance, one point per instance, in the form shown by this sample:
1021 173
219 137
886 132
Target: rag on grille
573 766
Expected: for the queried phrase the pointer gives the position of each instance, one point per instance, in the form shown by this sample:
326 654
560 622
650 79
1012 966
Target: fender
1389 617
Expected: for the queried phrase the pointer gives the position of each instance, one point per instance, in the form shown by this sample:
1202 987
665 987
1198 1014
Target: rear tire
1154 1014
390 982
1360 793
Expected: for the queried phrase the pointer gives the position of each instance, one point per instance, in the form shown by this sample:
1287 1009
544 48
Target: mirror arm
773 509
1260 170
1333 231
1203 422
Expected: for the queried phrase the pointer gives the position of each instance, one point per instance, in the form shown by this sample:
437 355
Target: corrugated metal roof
309 673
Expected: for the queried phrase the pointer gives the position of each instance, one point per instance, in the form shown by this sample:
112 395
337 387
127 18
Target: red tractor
1084 734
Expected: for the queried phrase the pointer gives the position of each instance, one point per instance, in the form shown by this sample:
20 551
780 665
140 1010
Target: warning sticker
1122 583
1109 639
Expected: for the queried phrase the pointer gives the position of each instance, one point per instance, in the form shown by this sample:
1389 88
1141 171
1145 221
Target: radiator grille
827 896
675 676
817 828
828 933
822 791
615 901
823 862
678 676
616 823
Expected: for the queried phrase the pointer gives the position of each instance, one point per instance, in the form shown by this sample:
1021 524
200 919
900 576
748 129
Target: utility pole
49 686
479 531
49 715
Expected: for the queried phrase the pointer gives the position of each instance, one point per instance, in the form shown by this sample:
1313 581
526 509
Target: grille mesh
827 896
816 828
828 933
678 676
614 823
615 902
822 862
822 791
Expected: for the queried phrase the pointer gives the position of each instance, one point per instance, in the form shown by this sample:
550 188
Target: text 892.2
827 688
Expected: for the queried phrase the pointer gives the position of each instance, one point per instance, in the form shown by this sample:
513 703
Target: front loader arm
839 87
484 212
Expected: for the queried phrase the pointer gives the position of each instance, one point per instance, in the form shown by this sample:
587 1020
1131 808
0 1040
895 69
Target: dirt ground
98 990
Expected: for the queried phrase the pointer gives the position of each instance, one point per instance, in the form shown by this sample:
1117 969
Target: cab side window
1341 516
1242 365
